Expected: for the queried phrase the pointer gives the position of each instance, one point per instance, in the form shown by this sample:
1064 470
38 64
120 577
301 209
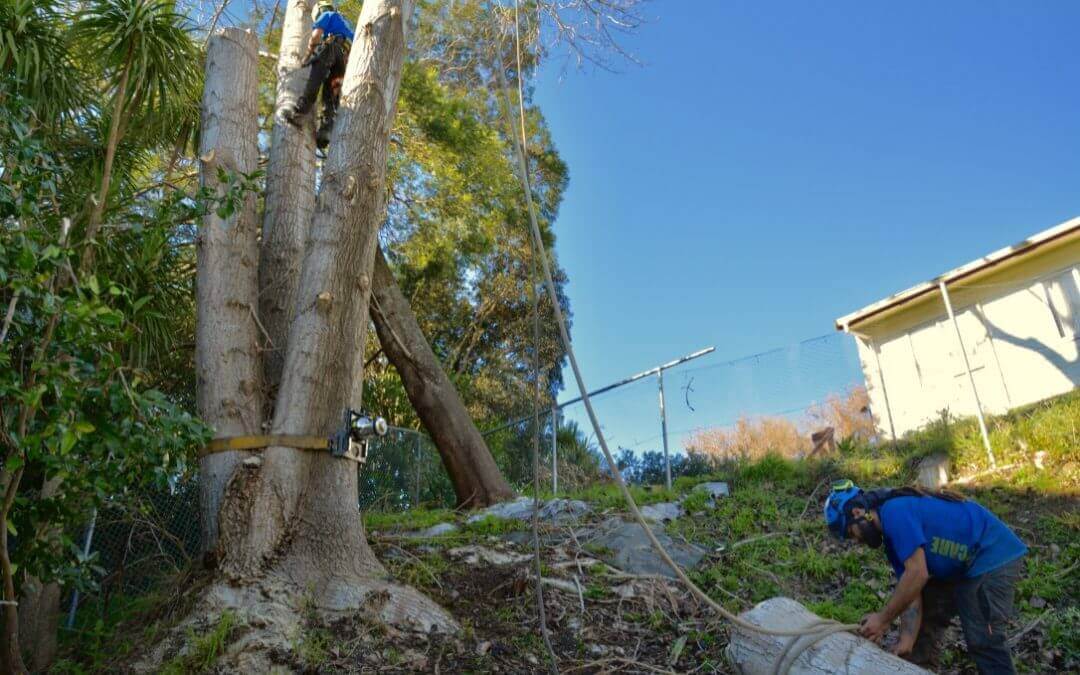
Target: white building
1017 312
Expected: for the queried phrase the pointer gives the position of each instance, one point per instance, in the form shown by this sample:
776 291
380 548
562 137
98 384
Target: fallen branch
810 499
760 537
1015 639
622 660
967 479
10 315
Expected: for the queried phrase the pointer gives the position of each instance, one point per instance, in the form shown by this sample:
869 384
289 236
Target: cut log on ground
756 653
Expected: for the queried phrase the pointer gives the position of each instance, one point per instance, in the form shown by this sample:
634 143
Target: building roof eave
1026 247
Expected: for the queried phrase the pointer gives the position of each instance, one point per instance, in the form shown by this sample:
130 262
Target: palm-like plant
33 48
145 48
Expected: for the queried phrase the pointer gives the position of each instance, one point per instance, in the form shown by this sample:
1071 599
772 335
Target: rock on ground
625 546
662 512
553 511
435 531
715 489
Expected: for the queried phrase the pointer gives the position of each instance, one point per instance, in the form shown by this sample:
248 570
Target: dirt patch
599 620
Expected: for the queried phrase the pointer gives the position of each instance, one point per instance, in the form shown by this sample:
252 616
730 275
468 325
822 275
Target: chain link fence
714 408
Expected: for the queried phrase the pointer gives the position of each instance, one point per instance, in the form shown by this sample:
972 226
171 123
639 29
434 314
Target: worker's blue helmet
837 509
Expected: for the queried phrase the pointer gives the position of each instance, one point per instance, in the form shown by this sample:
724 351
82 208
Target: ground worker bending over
327 54
951 555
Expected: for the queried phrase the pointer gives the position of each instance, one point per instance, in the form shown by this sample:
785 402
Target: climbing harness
350 441
803 637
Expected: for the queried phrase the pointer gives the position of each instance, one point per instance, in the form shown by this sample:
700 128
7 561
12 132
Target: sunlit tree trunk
294 516
290 196
97 212
227 364
476 478
39 604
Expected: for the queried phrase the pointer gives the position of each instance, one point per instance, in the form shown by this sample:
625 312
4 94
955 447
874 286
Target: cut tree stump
754 653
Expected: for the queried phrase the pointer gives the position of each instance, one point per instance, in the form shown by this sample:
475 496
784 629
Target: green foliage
1063 629
81 421
1049 426
772 467
35 54
147 39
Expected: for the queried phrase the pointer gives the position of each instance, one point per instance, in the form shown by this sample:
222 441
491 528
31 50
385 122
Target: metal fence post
663 430
416 462
554 450
86 551
971 378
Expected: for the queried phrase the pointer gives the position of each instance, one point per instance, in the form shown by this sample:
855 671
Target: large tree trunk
290 197
39 603
755 653
293 518
477 480
228 369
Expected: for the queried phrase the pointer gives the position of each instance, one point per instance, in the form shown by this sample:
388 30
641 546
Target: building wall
1021 329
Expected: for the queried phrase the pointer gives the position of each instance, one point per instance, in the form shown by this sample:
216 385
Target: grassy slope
768 539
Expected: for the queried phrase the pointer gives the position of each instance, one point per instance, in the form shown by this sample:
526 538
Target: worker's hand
904 646
873 627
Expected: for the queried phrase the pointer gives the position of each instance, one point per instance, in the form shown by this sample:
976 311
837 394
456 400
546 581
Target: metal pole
86 551
416 462
663 430
971 378
633 378
554 450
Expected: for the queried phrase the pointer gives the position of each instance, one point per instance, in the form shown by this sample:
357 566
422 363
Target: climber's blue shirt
332 23
961 539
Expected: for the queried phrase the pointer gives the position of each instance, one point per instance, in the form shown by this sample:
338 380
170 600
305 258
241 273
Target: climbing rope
814 631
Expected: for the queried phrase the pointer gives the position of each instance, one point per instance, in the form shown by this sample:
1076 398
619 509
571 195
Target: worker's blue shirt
333 23
961 539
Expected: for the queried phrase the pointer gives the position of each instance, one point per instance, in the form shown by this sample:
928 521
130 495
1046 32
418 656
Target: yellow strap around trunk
261 442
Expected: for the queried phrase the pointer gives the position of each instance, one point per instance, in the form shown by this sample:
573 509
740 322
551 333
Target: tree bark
229 389
290 197
755 653
294 516
111 143
39 603
476 478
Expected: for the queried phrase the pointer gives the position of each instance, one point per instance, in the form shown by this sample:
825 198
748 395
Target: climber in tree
951 556
327 54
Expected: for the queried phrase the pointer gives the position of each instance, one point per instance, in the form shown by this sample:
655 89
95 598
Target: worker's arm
910 587
910 621
315 41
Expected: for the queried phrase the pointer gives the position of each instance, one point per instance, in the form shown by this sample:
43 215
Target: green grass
205 649
413 519
843 581
493 526
607 495
1052 426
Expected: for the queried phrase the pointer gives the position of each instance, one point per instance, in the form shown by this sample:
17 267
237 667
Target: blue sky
772 166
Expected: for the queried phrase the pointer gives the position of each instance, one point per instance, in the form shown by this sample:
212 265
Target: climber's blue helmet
837 511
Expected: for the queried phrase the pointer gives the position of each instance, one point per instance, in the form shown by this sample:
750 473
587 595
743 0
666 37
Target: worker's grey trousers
984 605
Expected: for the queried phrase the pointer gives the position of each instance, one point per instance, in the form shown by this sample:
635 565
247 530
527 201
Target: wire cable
818 628
534 307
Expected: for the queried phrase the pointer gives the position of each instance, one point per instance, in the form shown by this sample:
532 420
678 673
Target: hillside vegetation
766 539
